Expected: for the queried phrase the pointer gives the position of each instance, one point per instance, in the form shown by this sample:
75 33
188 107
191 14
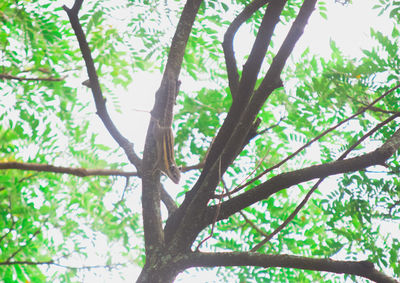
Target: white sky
347 25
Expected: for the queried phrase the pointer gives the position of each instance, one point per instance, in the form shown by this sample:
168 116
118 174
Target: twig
314 140
99 99
308 195
25 245
167 200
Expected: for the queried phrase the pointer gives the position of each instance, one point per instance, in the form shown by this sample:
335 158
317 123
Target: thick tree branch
123 142
245 90
324 133
286 180
49 79
271 81
308 195
252 66
364 269
80 172
230 139
227 44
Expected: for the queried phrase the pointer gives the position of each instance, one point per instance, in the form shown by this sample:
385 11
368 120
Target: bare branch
49 79
80 172
271 80
364 269
257 54
123 142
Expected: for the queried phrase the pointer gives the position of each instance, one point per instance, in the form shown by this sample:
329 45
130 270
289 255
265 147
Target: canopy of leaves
48 117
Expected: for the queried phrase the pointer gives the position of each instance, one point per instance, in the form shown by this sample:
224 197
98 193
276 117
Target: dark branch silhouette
80 172
364 269
227 44
99 99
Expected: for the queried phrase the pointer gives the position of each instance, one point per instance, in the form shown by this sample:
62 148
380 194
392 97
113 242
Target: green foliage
47 216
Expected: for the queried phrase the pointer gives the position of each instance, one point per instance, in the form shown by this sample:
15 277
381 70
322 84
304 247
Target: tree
251 201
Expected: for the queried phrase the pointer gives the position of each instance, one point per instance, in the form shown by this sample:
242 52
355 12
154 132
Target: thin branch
315 139
88 267
99 99
24 262
364 269
289 219
49 79
167 200
263 131
25 245
10 229
247 220
308 195
80 172
286 180
227 45
258 165
199 165
391 207
215 216
272 78
254 226
373 109
51 262
83 172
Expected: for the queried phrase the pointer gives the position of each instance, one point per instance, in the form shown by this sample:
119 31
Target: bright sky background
347 25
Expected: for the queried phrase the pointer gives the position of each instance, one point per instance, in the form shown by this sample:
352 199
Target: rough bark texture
169 249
